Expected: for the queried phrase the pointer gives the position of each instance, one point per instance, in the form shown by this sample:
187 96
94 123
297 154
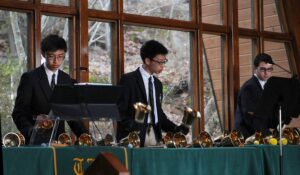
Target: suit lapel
61 79
141 85
43 82
257 82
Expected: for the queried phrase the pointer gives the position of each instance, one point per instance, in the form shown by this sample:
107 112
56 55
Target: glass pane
173 9
213 84
100 64
58 26
176 76
279 55
100 4
56 2
211 11
100 52
246 59
13 58
271 18
245 13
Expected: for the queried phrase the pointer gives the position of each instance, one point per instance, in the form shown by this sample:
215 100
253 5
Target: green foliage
99 79
10 72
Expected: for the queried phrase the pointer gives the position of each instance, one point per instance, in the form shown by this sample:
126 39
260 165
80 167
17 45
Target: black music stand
79 101
283 92
281 96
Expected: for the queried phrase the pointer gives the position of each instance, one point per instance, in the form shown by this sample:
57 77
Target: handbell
292 135
235 138
13 139
141 110
85 140
64 138
256 138
180 140
203 140
132 140
168 140
189 116
176 140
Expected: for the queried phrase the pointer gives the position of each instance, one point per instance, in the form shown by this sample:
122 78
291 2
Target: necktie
151 100
52 82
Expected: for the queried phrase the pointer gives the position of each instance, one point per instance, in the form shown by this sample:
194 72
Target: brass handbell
132 140
235 138
189 116
13 139
141 111
64 138
168 140
203 140
176 140
292 135
256 138
180 140
85 140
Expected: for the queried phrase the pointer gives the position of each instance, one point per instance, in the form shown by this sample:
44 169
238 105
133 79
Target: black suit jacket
248 98
33 98
134 91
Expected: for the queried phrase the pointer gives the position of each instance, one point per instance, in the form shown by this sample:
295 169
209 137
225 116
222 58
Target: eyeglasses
263 69
160 62
51 57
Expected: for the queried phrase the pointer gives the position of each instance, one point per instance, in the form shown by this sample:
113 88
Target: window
56 2
213 83
179 9
246 58
13 58
245 13
100 52
100 4
271 17
278 52
212 11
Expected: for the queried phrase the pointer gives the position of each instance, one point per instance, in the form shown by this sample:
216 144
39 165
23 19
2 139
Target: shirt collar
261 82
50 72
144 72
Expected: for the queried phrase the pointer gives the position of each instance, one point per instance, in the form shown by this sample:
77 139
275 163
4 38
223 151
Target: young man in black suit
141 86
249 95
36 86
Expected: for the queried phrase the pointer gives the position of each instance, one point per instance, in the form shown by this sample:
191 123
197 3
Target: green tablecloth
53 161
258 160
207 161
271 157
31 160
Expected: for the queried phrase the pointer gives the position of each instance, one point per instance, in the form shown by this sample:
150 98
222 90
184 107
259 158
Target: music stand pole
54 129
280 143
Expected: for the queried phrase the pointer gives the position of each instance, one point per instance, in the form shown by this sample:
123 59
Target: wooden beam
233 74
82 42
159 22
16 5
293 22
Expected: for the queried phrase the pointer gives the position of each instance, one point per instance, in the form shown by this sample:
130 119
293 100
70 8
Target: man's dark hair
53 43
152 48
263 57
